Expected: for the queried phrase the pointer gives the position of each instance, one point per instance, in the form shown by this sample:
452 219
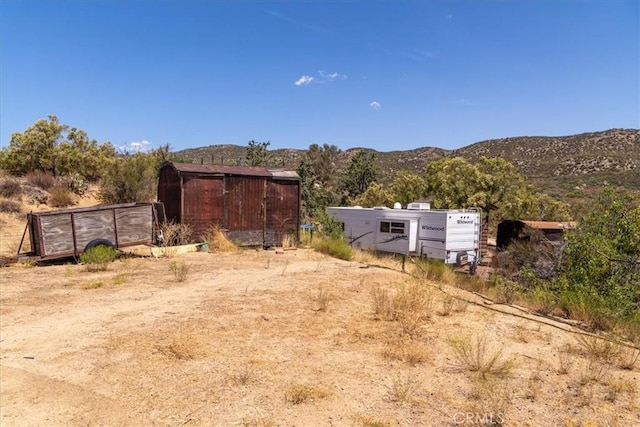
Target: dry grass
628 358
218 240
599 349
403 389
478 355
451 305
174 234
488 403
374 422
566 361
183 347
381 303
92 285
180 270
407 351
301 393
321 298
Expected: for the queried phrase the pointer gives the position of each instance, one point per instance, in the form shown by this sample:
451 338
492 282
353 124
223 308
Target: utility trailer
69 232
452 236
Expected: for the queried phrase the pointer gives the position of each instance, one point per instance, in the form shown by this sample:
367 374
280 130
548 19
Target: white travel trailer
449 235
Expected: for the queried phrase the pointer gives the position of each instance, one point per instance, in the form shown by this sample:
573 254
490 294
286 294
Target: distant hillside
554 164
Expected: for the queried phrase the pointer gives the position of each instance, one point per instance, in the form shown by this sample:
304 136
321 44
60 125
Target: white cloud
136 147
375 105
331 76
323 77
304 80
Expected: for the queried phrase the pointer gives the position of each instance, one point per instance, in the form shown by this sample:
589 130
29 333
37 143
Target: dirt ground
260 338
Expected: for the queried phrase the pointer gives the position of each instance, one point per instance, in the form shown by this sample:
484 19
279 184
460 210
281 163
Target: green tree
602 258
323 163
314 196
50 146
359 175
493 184
375 195
132 178
258 153
408 187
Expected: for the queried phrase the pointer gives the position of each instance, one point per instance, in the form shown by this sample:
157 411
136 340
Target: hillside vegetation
559 165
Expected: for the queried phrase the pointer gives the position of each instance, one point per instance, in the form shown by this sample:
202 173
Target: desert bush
60 197
381 303
180 270
98 258
628 358
175 233
476 355
597 348
335 247
403 389
9 206
132 178
10 188
40 179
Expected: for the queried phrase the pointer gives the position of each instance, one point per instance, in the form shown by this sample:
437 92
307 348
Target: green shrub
10 188
338 248
60 197
98 258
131 179
76 183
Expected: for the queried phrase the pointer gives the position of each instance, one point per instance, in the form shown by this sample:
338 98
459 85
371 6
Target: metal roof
549 225
234 170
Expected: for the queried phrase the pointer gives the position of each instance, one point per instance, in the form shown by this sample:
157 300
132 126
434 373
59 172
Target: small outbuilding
254 205
516 230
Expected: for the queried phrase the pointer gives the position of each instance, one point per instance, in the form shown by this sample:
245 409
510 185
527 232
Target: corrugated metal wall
255 209
169 193
283 217
203 202
244 213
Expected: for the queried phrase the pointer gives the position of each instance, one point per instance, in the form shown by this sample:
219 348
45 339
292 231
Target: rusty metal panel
282 211
203 203
244 196
169 192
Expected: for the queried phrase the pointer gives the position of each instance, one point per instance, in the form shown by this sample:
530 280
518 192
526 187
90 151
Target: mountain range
556 165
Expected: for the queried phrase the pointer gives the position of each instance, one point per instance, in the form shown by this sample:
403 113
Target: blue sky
388 75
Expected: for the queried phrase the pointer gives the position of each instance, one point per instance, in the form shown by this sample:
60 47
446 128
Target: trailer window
392 227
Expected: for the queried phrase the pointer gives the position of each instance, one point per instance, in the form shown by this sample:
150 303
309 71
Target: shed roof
234 170
549 225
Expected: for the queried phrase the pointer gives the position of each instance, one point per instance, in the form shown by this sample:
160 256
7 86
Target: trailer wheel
99 242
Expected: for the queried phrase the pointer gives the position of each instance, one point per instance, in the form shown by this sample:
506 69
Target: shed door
282 211
244 213
203 203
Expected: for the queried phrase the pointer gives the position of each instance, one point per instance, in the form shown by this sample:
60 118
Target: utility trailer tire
99 242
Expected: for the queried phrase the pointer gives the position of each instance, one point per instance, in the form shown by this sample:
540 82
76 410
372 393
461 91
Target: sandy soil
260 338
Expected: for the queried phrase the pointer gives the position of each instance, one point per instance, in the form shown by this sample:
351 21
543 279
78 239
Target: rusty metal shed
255 205
512 230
